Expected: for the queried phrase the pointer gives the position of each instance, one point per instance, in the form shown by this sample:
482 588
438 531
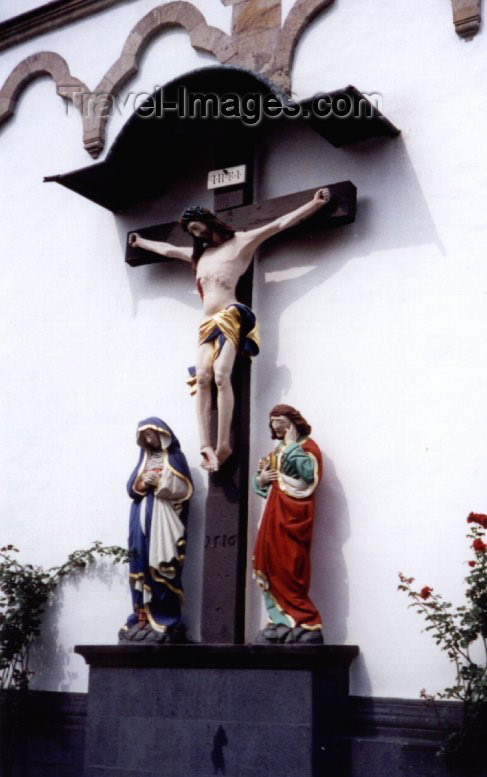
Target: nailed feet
212 460
209 459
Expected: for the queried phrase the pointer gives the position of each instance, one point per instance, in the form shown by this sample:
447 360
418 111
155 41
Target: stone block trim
91 104
257 42
179 13
300 16
43 63
256 15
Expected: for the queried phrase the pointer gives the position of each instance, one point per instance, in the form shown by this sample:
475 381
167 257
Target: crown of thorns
195 213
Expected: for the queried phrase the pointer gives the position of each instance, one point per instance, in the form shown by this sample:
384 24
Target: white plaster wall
12 8
375 331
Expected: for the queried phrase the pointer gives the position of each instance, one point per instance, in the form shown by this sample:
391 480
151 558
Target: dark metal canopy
146 155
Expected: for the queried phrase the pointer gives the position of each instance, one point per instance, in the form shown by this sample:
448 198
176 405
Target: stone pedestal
205 710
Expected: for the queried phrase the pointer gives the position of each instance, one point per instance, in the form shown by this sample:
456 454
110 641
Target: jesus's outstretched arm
160 247
257 236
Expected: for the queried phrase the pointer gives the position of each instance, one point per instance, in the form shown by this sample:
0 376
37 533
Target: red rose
478 518
425 592
479 546
472 563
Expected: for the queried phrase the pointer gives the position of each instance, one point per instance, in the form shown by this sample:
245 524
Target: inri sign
227 176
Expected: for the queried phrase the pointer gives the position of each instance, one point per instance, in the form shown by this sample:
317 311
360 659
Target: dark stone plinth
204 710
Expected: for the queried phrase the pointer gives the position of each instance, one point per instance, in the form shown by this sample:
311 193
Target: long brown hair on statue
294 416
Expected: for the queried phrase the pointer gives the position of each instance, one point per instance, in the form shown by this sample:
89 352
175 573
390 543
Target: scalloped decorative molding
258 42
466 17
43 63
299 17
175 14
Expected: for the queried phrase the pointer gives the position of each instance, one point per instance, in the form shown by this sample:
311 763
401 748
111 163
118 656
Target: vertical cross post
224 565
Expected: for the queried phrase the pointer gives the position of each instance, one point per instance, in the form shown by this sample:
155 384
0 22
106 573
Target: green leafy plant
25 591
457 630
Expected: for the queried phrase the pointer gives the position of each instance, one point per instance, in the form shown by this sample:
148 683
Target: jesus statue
219 257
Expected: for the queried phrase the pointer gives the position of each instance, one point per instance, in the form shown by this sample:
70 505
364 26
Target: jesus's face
280 424
201 230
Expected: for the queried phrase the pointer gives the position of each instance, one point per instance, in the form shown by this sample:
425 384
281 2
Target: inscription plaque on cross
224 567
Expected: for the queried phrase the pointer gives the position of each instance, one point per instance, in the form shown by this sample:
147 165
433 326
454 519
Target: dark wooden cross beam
340 210
224 567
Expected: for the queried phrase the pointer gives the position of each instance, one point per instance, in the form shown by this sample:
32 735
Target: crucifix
220 354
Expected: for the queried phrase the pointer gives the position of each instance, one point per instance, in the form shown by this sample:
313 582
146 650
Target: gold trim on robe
227 321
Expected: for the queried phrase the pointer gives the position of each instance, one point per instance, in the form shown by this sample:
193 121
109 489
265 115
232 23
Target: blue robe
157 532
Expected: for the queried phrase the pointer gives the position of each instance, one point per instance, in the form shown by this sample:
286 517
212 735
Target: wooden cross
224 567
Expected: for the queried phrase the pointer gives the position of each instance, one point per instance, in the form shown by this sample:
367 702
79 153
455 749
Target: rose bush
456 630
24 593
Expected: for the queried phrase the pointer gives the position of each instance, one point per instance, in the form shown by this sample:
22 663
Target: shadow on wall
49 658
329 588
400 215
392 213
388 217
380 168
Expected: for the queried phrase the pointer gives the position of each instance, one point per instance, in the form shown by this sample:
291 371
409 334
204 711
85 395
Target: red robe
282 549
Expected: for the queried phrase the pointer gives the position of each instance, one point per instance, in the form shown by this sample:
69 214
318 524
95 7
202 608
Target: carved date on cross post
223 604
220 541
